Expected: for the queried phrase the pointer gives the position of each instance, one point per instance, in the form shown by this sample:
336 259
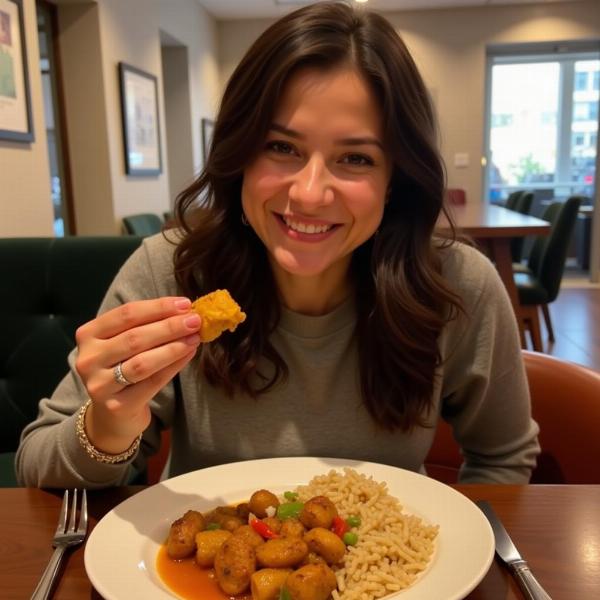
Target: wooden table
556 528
492 227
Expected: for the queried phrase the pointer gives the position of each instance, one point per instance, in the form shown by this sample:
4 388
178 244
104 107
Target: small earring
245 220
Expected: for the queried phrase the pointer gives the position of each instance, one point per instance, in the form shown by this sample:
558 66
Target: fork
63 538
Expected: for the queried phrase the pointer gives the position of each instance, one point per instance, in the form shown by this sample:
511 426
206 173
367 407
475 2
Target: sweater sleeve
485 396
49 454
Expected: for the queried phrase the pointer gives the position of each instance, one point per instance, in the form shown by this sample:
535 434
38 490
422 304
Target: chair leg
548 321
531 317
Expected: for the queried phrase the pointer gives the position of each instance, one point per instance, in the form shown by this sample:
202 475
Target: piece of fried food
219 311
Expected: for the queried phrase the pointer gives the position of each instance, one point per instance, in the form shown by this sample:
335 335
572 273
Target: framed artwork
15 102
207 132
141 127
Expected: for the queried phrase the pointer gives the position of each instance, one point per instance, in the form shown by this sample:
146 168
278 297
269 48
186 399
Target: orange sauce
190 581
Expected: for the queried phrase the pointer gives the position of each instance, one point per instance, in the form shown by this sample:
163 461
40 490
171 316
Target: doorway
60 188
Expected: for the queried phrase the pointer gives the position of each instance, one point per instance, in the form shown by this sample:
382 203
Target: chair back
523 206
565 402
143 224
513 198
539 244
50 286
524 202
552 264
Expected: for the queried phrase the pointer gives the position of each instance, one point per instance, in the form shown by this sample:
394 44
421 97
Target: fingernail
182 303
193 321
192 340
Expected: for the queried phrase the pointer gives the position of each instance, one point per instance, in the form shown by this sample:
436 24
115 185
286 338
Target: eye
280 147
359 160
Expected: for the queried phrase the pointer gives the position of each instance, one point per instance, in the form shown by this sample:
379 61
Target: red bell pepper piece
339 526
263 529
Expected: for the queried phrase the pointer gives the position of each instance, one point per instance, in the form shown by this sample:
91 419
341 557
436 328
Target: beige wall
95 37
449 48
85 105
25 203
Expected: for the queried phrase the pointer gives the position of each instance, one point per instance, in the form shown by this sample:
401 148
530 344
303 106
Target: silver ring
119 377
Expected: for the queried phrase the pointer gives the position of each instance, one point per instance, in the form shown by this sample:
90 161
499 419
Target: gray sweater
482 390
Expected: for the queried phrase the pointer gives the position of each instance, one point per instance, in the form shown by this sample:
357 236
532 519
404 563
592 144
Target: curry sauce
190 581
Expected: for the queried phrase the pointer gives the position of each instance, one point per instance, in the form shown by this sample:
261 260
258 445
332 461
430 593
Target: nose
311 185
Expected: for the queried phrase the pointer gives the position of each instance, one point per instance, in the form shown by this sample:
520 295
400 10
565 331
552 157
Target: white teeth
302 228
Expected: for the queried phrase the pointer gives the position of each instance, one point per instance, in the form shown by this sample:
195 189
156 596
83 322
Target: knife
508 552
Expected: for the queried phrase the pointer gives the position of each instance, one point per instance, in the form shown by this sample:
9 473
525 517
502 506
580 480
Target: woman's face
317 189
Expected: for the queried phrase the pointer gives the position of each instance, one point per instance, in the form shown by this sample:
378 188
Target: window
581 81
542 120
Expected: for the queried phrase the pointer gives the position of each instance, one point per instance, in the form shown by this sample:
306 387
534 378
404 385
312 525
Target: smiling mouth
308 228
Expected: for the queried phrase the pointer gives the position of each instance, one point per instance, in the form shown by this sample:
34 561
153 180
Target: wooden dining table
492 228
556 528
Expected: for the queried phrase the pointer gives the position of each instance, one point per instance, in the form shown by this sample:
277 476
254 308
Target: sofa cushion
50 286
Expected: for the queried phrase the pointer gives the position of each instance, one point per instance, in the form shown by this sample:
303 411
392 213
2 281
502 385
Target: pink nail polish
193 321
182 303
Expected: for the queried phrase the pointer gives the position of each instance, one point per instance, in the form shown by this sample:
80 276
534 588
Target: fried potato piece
318 512
311 582
235 563
281 552
181 541
292 528
260 501
219 311
246 532
266 584
208 544
327 544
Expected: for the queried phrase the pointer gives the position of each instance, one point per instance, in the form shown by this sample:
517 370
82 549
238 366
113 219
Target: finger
132 314
135 397
145 365
129 344
104 385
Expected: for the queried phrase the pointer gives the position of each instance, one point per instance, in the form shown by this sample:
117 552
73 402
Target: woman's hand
153 340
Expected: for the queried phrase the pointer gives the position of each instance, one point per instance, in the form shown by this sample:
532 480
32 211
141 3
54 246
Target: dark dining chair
143 225
538 283
513 198
565 402
523 206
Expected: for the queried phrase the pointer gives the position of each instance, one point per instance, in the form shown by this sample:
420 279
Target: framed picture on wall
141 126
15 102
207 132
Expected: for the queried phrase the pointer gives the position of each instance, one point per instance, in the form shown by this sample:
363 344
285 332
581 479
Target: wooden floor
576 320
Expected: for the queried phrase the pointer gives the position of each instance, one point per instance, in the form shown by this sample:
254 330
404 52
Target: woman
320 197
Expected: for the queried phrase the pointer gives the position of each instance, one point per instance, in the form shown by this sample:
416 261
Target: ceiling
246 9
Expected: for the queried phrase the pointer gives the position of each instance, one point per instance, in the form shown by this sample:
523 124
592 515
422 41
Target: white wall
25 202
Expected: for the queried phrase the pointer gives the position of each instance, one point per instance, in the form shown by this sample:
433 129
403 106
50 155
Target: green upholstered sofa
48 287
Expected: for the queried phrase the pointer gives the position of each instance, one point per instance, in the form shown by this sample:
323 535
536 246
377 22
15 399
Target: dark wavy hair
403 302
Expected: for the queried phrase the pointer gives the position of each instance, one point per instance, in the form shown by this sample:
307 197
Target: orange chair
565 399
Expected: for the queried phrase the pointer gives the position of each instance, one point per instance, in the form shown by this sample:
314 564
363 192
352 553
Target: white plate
121 551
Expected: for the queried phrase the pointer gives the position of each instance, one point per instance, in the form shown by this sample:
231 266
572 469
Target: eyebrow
352 141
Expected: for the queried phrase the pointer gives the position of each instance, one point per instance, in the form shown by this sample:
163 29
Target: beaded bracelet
92 451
